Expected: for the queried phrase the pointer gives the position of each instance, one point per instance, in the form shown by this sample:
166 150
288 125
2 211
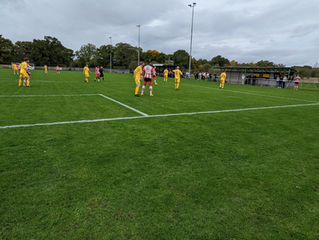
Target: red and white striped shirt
148 71
297 79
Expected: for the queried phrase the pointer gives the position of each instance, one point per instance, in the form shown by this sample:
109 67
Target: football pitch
91 161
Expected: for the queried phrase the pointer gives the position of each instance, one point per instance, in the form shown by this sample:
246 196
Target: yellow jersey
223 76
45 67
86 70
23 67
177 73
165 72
14 67
138 72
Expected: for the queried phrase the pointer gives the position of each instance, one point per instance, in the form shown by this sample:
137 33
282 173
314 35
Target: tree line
50 51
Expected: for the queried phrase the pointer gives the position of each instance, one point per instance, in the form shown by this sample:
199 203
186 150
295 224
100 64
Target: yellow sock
20 82
177 85
28 83
136 90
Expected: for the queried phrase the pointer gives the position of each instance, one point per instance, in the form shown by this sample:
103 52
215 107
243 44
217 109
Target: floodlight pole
191 42
138 43
111 54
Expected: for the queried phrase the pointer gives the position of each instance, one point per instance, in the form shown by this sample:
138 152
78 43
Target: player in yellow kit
15 69
177 74
86 72
45 69
222 80
24 76
165 75
137 78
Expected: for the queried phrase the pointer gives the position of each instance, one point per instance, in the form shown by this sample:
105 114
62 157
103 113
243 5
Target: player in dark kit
101 70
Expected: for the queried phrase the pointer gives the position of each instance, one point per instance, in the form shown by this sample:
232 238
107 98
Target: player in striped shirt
97 74
154 76
57 69
148 72
296 82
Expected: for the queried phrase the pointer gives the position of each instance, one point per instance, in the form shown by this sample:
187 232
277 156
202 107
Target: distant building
260 76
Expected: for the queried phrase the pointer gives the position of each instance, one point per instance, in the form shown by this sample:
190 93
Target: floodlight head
190 5
194 4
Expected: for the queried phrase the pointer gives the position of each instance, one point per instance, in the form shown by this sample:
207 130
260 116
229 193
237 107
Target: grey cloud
245 30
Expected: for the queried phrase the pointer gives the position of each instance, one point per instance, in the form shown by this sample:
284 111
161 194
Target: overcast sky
282 31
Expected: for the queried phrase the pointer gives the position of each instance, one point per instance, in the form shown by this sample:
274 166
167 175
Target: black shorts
101 74
147 80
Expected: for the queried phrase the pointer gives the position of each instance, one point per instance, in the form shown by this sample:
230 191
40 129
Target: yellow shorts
87 75
177 80
137 81
23 75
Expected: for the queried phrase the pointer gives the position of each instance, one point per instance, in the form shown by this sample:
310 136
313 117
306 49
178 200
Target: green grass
236 175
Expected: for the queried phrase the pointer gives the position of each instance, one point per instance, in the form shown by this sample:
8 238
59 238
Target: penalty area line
124 105
52 95
159 115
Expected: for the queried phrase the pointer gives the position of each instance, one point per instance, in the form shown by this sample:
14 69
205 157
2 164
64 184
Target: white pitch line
54 95
159 115
257 94
124 105
69 122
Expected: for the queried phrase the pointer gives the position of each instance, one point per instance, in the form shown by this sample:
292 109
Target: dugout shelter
259 76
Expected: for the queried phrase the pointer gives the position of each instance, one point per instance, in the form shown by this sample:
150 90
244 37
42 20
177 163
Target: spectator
296 82
243 78
284 81
278 82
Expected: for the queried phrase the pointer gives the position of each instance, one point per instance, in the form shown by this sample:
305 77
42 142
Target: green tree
21 50
49 51
234 63
41 53
265 63
181 58
204 67
103 55
201 61
6 49
124 54
56 53
219 61
87 54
